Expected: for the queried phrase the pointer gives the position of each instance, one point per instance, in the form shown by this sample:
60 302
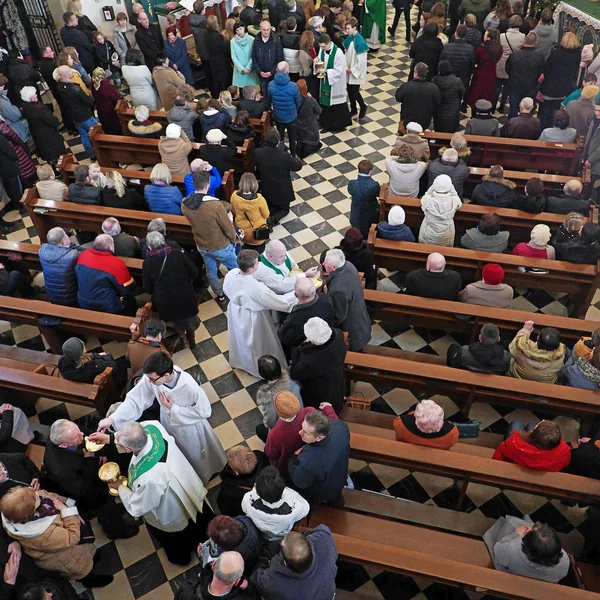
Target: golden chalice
110 472
320 69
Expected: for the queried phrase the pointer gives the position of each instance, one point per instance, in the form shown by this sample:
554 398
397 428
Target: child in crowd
364 209
107 57
227 103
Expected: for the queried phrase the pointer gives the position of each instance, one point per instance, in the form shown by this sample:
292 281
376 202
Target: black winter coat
88 370
419 100
275 167
362 259
446 117
320 371
85 193
7 442
560 72
255 108
576 251
131 199
462 58
20 74
561 240
426 49
266 56
524 68
47 67
563 205
479 358
218 156
494 192
20 468
530 204
198 28
43 126
220 56
79 103
9 161
173 295
150 42
72 36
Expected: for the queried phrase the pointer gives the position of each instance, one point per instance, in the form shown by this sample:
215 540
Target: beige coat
52 189
419 145
486 294
174 153
168 83
529 362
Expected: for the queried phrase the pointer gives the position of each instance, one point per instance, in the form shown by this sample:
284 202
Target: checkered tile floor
316 222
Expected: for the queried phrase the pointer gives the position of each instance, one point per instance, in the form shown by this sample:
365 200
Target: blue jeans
225 256
83 129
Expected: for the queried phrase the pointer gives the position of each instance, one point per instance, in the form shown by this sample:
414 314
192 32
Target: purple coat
106 97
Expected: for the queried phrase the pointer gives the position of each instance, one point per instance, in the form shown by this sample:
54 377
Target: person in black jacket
494 190
584 249
534 200
83 191
214 153
267 53
7 442
80 106
419 98
169 276
238 477
486 355
149 40
426 49
460 55
72 36
221 70
76 364
570 200
10 176
117 195
20 74
249 103
401 6
434 281
318 364
446 117
73 471
17 469
356 250
198 29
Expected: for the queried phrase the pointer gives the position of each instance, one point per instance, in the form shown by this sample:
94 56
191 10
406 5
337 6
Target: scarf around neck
360 46
265 261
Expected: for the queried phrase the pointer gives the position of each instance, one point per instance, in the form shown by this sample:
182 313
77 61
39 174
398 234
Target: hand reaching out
165 400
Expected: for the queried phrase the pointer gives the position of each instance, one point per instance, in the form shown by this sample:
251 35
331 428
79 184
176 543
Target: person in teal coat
176 50
241 56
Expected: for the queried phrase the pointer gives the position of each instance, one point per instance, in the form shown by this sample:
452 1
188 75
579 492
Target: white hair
55 236
526 104
450 155
155 240
111 226
132 435
335 258
157 224
429 416
58 430
28 93
141 113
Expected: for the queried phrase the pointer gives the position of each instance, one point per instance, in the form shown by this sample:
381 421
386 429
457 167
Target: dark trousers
292 129
18 283
547 112
399 11
129 305
13 189
263 85
500 88
354 97
262 432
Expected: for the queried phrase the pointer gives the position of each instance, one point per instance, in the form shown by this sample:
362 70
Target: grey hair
132 435
573 188
28 93
104 242
315 22
227 578
450 155
55 236
335 258
58 430
111 226
157 224
155 240
141 113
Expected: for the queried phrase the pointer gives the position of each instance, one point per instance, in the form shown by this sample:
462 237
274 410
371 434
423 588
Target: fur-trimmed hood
462 154
144 129
531 351
499 180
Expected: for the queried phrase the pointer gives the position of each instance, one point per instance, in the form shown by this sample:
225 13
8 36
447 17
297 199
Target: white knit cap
317 331
442 183
215 136
396 216
540 234
414 127
173 131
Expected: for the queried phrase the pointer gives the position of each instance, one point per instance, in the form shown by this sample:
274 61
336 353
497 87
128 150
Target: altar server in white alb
335 116
162 488
250 327
184 413
356 66
278 270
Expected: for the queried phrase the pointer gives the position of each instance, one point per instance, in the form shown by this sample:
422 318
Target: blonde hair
72 52
18 504
248 184
241 459
44 172
115 180
569 41
458 142
98 75
171 20
225 98
229 32
74 6
160 172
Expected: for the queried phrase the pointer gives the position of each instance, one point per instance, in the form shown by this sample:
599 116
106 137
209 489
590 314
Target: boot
91 581
190 334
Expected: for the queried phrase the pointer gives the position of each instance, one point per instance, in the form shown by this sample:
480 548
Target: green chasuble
376 14
325 96
149 9
151 458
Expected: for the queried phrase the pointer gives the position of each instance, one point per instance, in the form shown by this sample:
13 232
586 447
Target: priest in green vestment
373 23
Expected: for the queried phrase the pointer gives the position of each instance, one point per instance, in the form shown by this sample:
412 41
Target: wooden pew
513 153
431 555
126 113
518 222
466 386
441 314
114 150
73 320
581 281
67 163
46 214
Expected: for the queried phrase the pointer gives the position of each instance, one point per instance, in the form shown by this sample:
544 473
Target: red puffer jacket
515 449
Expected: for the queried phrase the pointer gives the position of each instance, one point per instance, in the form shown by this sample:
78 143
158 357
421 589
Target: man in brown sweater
141 347
213 231
174 148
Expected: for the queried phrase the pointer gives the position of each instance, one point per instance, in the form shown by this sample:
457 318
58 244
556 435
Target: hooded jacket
439 209
473 239
481 358
547 36
213 120
404 176
517 450
58 266
185 117
494 191
580 373
485 294
211 226
80 104
285 97
529 362
399 233
457 171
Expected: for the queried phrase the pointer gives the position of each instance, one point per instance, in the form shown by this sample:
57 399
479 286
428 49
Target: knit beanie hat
287 406
317 331
442 184
540 234
396 216
493 274
587 53
173 131
73 348
589 92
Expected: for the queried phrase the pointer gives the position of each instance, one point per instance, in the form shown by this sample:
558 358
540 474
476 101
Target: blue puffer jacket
398 233
58 265
163 198
286 99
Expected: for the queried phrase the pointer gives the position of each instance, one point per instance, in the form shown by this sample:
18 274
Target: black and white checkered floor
317 221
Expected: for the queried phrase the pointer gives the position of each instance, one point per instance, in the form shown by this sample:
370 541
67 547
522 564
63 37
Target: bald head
143 19
65 73
573 188
275 252
436 263
283 67
297 552
229 567
304 290
104 242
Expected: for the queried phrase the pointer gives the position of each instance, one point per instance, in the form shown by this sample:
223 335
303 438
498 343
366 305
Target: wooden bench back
513 153
579 280
67 163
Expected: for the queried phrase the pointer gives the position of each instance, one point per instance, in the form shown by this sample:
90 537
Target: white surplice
186 421
280 284
167 495
335 76
250 327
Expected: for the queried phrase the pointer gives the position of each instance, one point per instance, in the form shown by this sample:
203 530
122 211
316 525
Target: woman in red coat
541 449
106 97
484 78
